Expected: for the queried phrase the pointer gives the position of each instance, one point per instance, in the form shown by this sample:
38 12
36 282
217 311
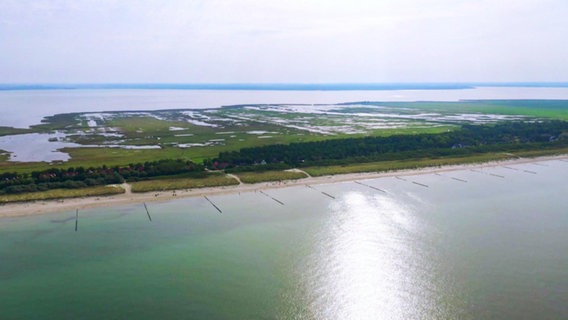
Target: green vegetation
198 135
255 177
211 180
118 157
4 156
385 166
552 109
540 152
144 130
405 131
79 177
470 139
60 122
5 131
62 193
259 142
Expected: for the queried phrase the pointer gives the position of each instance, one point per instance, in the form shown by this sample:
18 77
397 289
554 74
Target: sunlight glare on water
491 248
362 269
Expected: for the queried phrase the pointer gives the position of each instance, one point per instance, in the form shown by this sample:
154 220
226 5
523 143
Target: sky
292 41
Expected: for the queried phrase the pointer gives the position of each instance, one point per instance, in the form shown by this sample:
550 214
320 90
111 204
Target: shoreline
69 204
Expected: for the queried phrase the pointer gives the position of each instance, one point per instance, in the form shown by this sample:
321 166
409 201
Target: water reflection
36 146
366 266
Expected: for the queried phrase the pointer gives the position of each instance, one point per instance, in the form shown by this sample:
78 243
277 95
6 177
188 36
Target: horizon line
278 86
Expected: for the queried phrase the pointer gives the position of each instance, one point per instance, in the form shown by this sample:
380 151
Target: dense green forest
80 177
469 139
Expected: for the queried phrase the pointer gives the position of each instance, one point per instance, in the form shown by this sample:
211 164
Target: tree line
467 139
79 177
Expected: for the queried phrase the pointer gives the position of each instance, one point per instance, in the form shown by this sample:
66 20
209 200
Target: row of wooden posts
357 182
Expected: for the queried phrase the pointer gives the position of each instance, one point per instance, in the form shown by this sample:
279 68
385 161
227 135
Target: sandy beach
50 206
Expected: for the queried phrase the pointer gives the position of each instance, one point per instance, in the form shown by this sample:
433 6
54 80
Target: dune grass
62 194
214 180
384 166
256 177
541 152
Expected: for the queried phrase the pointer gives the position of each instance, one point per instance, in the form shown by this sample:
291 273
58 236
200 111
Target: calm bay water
494 247
22 108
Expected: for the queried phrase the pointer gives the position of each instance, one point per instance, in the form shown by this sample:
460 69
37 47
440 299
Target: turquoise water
494 247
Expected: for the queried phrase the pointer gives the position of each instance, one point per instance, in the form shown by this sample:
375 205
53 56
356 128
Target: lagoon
23 108
481 244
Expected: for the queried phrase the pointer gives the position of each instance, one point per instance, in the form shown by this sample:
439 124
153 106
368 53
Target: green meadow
256 177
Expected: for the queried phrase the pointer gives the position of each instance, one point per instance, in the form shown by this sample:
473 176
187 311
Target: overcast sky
260 41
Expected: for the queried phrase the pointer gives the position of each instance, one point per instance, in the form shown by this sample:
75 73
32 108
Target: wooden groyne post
417 183
76 219
420 184
490 174
539 164
147 212
324 193
368 186
282 203
453 178
327 194
211 202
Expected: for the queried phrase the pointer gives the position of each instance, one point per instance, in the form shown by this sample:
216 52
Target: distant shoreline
281 86
36 102
71 204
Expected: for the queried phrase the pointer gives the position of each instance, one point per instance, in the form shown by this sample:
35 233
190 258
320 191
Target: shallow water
430 247
37 147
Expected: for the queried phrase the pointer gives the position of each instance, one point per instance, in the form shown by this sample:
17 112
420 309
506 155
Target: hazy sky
283 41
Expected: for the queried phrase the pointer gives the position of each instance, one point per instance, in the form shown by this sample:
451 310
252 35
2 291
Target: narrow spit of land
50 206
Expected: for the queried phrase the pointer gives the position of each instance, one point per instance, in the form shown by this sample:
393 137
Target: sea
485 243
24 105
471 244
